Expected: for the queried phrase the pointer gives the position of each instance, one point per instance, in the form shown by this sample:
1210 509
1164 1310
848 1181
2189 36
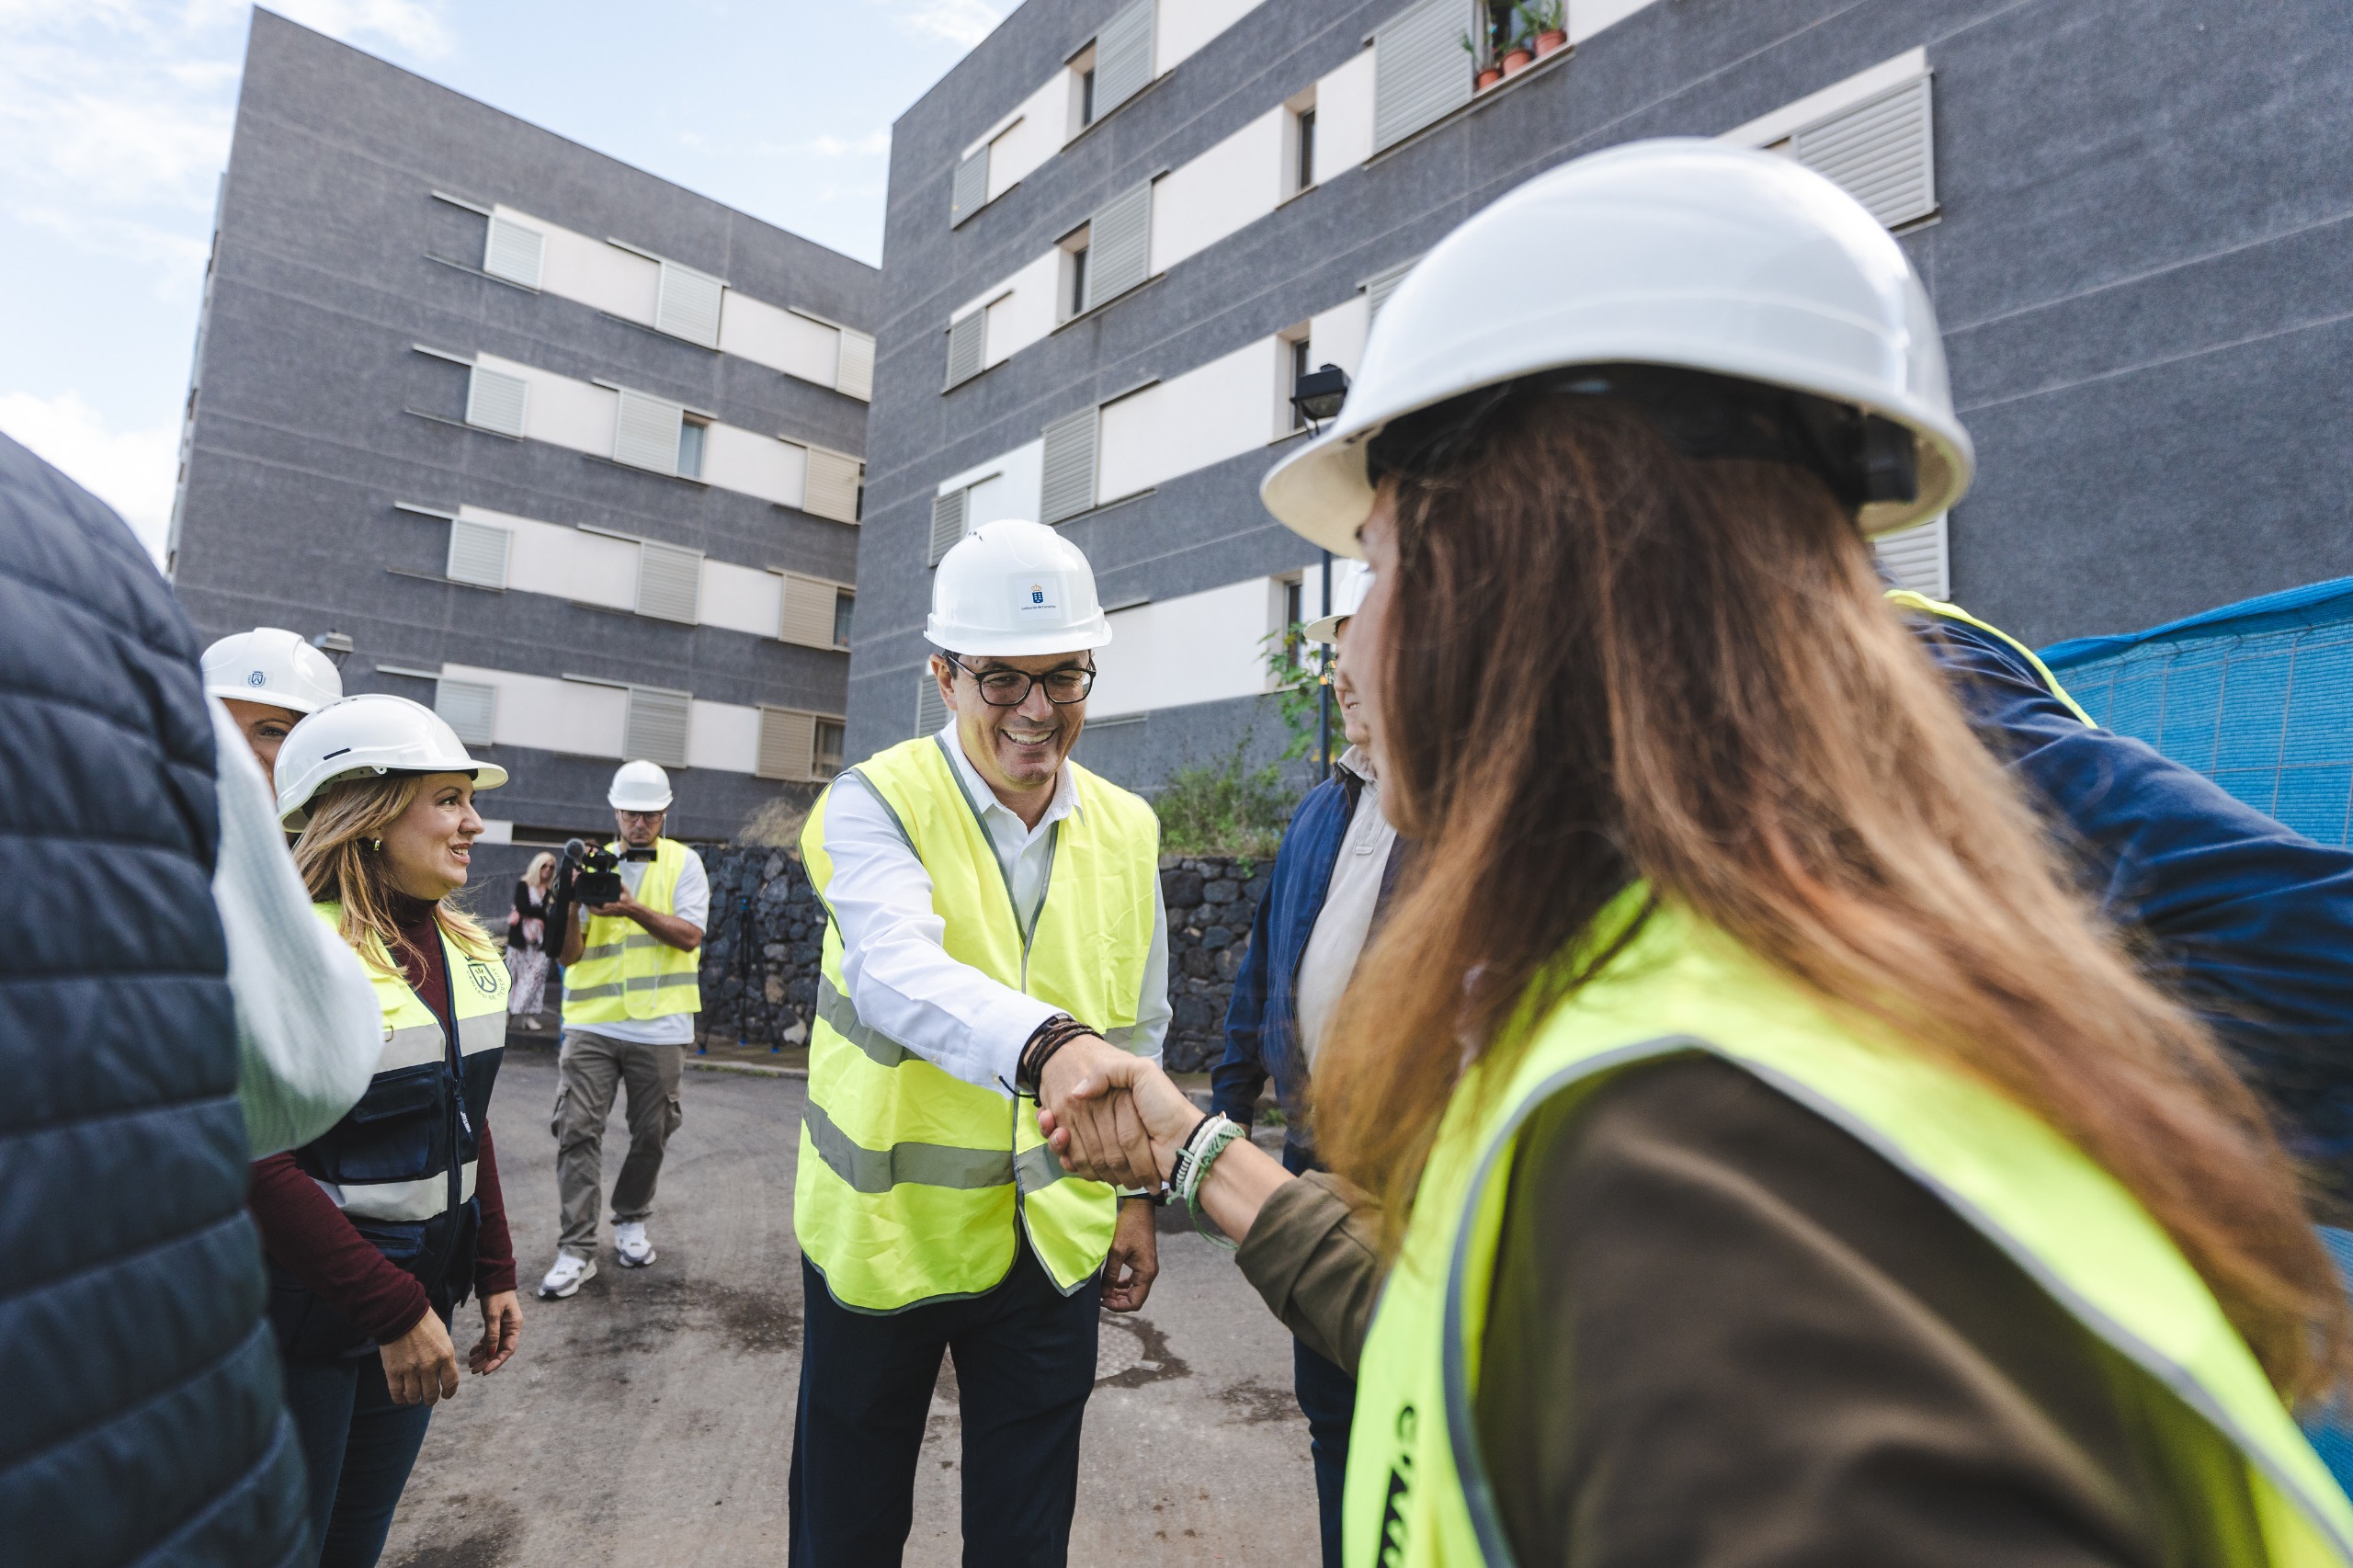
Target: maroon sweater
307 1235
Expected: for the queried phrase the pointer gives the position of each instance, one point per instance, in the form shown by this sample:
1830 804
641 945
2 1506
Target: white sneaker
629 1240
567 1277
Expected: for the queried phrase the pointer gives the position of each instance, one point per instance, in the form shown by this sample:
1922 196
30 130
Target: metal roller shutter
669 582
947 523
931 709
965 341
514 251
1119 246
809 605
688 305
496 400
788 744
655 728
478 553
1380 285
854 373
471 708
645 432
1919 558
971 191
830 489
1419 71
1067 485
1123 57
1883 151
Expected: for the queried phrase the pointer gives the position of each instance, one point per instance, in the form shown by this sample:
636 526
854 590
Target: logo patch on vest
1391 1543
485 979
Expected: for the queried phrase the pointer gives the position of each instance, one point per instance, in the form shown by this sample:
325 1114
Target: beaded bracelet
1201 1147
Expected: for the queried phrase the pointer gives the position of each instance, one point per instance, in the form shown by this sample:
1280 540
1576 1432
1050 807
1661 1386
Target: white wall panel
1217 411
1233 184
594 272
1336 336
741 598
1587 17
724 735
1009 484
1203 647
555 715
764 334
549 558
1026 314
563 412
754 464
1040 134
1185 25
1344 118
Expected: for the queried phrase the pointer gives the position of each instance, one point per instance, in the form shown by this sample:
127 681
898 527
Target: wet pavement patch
1149 1362
1255 1403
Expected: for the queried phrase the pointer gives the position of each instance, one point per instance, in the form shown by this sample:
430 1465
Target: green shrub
1224 808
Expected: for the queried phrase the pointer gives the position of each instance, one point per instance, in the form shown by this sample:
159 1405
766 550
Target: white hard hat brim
1325 630
487 776
949 637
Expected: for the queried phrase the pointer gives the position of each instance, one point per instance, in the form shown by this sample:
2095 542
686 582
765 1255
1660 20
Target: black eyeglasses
1010 688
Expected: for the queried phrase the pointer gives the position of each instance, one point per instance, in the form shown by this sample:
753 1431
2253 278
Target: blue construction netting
2258 696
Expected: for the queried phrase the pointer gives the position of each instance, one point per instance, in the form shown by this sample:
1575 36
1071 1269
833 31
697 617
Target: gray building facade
564 449
2133 218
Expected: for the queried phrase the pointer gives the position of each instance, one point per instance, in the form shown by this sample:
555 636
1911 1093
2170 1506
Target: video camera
596 877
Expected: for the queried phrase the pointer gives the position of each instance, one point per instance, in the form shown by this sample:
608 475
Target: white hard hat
639 787
1351 582
273 667
1015 588
368 736
1675 253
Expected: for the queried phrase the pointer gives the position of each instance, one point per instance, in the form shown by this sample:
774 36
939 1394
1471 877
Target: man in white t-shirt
630 997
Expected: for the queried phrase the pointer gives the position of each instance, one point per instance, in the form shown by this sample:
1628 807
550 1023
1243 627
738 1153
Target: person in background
379 1228
269 678
526 942
1339 864
1817 1167
630 999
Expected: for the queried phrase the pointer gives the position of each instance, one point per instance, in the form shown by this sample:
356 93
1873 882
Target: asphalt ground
649 1419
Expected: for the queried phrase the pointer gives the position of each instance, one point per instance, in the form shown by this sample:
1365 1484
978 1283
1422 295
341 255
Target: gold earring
377 844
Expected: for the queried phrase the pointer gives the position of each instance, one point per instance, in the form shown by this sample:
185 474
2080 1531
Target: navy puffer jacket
141 1421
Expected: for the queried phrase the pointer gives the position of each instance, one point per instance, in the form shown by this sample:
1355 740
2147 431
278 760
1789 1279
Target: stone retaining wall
761 990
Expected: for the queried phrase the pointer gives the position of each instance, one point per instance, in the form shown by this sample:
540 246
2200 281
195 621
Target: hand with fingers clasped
1117 1084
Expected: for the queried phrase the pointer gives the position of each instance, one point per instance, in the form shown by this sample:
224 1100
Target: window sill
1096 310
446 581
1477 101
649 473
460 425
470 270
1096 511
816 517
664 336
1112 113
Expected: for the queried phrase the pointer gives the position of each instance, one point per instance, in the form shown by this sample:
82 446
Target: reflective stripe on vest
1926 606
624 970
911 1181
412 1043
1418 1492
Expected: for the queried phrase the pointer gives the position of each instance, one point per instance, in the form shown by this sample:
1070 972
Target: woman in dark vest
377 1231
1754 1144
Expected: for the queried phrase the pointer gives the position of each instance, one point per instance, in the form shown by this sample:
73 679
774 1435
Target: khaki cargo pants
591 1067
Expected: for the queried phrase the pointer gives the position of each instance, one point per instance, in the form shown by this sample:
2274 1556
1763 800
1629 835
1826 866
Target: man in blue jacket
2247 921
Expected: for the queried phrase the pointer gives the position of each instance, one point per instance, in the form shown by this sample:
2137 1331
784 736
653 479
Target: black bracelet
1046 1039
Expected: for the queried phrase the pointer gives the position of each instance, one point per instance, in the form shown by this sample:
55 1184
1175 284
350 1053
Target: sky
114 117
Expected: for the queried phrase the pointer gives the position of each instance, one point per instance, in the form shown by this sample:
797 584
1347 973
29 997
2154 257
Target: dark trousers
1328 1397
1025 1365
360 1448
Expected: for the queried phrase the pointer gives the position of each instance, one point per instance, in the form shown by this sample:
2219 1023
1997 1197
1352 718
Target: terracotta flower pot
1490 77
1518 60
1546 42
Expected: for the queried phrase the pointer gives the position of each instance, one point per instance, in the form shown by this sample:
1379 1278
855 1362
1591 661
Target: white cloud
131 470
961 22
412 25
873 144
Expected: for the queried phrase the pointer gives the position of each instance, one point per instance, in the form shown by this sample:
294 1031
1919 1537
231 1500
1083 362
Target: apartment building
1119 232
565 451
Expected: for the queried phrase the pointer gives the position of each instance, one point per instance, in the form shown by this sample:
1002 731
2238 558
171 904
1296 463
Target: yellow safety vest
624 970
388 1159
1418 1492
911 1180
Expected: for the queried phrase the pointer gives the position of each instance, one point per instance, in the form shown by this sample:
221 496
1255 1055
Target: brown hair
1604 663
341 860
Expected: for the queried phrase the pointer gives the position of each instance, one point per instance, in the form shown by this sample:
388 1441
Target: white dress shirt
690 902
1346 919
902 980
310 1029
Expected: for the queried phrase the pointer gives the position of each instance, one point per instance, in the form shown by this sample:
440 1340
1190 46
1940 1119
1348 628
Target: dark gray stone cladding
302 442
2139 266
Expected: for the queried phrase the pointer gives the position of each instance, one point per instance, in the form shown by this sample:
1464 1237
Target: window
1086 97
691 435
948 522
1066 486
967 342
829 748
844 603
496 401
830 487
1419 71
812 615
687 304
646 432
1303 166
669 582
1883 151
1299 368
478 553
1119 246
514 251
470 707
654 725
1077 280
970 192
1122 59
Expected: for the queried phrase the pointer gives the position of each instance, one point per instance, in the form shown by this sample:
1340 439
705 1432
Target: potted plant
1519 57
1544 24
1488 74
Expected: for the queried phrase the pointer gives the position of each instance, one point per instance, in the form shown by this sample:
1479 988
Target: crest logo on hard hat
256 678
1037 593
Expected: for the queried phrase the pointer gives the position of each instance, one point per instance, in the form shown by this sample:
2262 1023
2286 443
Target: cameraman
629 1000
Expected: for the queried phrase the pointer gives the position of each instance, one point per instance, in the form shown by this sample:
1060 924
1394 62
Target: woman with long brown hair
1756 1146
379 1229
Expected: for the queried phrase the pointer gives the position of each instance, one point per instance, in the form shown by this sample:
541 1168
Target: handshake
1112 1117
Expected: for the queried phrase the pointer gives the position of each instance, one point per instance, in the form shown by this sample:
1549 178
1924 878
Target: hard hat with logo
1015 588
1350 579
271 666
368 737
1684 255
639 787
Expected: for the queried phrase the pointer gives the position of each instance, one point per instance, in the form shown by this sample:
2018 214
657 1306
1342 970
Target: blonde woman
526 942
1754 1147
379 1228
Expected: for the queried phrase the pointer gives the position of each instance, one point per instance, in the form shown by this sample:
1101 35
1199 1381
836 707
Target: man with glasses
997 931
630 998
